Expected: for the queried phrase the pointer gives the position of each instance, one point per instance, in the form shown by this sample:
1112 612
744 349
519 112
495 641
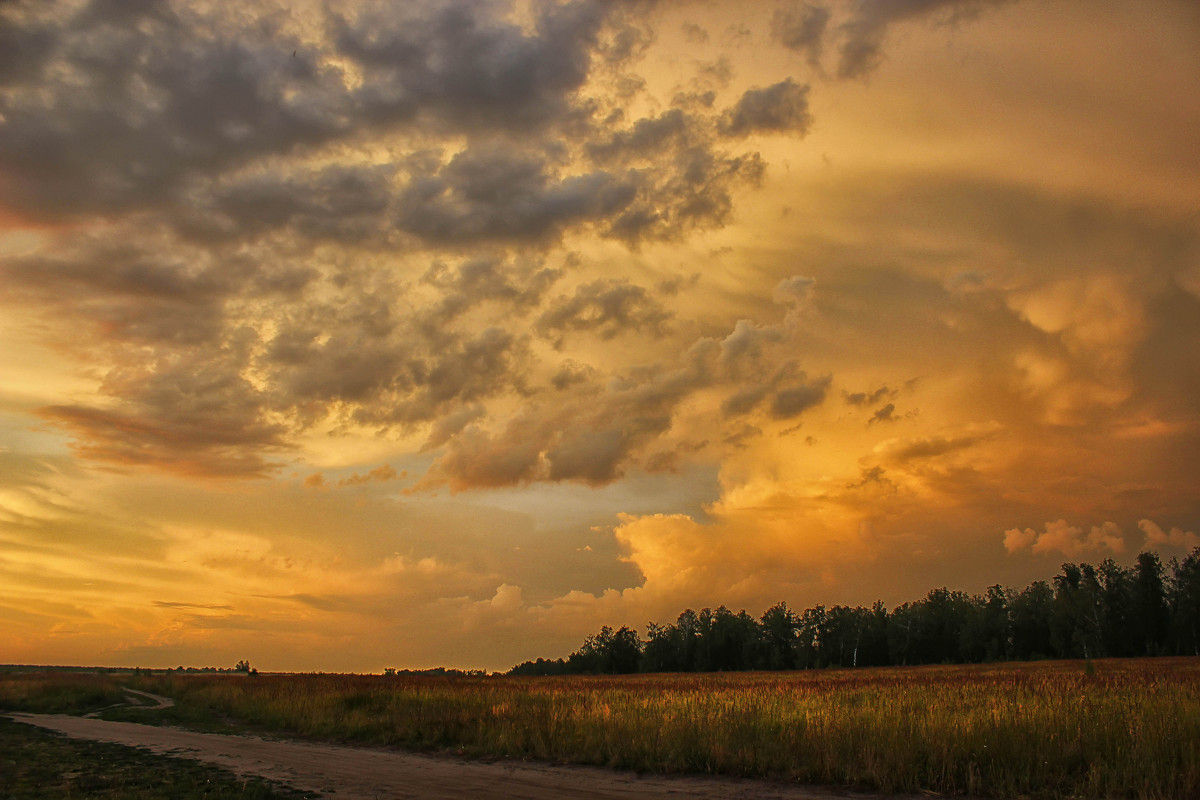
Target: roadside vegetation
1067 729
37 764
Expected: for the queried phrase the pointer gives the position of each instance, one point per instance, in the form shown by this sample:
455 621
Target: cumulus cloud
1069 540
1176 537
796 289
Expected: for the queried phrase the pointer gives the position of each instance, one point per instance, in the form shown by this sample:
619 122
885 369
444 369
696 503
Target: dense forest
1087 612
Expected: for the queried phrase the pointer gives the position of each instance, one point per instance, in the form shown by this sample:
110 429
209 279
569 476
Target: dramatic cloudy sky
362 334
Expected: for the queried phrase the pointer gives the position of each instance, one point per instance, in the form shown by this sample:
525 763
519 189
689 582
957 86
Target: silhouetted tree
779 640
987 631
1088 613
1150 603
1075 623
1030 616
1185 605
1118 625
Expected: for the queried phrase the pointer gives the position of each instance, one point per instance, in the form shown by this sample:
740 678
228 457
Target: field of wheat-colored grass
1108 729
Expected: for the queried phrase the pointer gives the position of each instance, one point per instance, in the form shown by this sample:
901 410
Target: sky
400 334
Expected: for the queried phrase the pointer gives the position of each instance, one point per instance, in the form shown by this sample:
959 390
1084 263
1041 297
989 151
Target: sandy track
347 773
158 700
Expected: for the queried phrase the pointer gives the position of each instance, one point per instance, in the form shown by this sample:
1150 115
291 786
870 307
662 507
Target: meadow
1104 729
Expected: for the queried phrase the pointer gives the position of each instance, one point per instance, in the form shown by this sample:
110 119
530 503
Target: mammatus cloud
1061 537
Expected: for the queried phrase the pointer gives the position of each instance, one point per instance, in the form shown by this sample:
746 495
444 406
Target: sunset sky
351 335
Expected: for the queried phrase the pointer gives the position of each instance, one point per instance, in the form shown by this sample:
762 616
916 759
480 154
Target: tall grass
57 692
1119 729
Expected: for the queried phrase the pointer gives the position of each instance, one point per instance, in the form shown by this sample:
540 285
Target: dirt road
347 773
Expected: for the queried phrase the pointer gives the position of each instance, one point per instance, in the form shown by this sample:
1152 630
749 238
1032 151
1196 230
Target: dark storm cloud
860 27
606 308
885 413
120 113
590 433
467 61
208 117
932 447
251 168
1167 361
117 106
194 417
866 30
356 358
745 401
801 27
796 398
646 138
25 41
593 427
180 335
791 390
861 399
482 279
499 192
746 344
780 108
128 292
340 202
683 180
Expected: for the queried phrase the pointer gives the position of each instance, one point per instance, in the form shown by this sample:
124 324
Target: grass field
1109 729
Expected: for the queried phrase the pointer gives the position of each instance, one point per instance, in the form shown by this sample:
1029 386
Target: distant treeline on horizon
1086 612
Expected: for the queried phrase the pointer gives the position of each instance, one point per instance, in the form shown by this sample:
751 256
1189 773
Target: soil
350 773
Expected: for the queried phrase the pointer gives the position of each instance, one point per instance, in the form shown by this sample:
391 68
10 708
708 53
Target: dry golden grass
1115 729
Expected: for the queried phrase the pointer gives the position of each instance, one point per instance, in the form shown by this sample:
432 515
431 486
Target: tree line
1087 611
